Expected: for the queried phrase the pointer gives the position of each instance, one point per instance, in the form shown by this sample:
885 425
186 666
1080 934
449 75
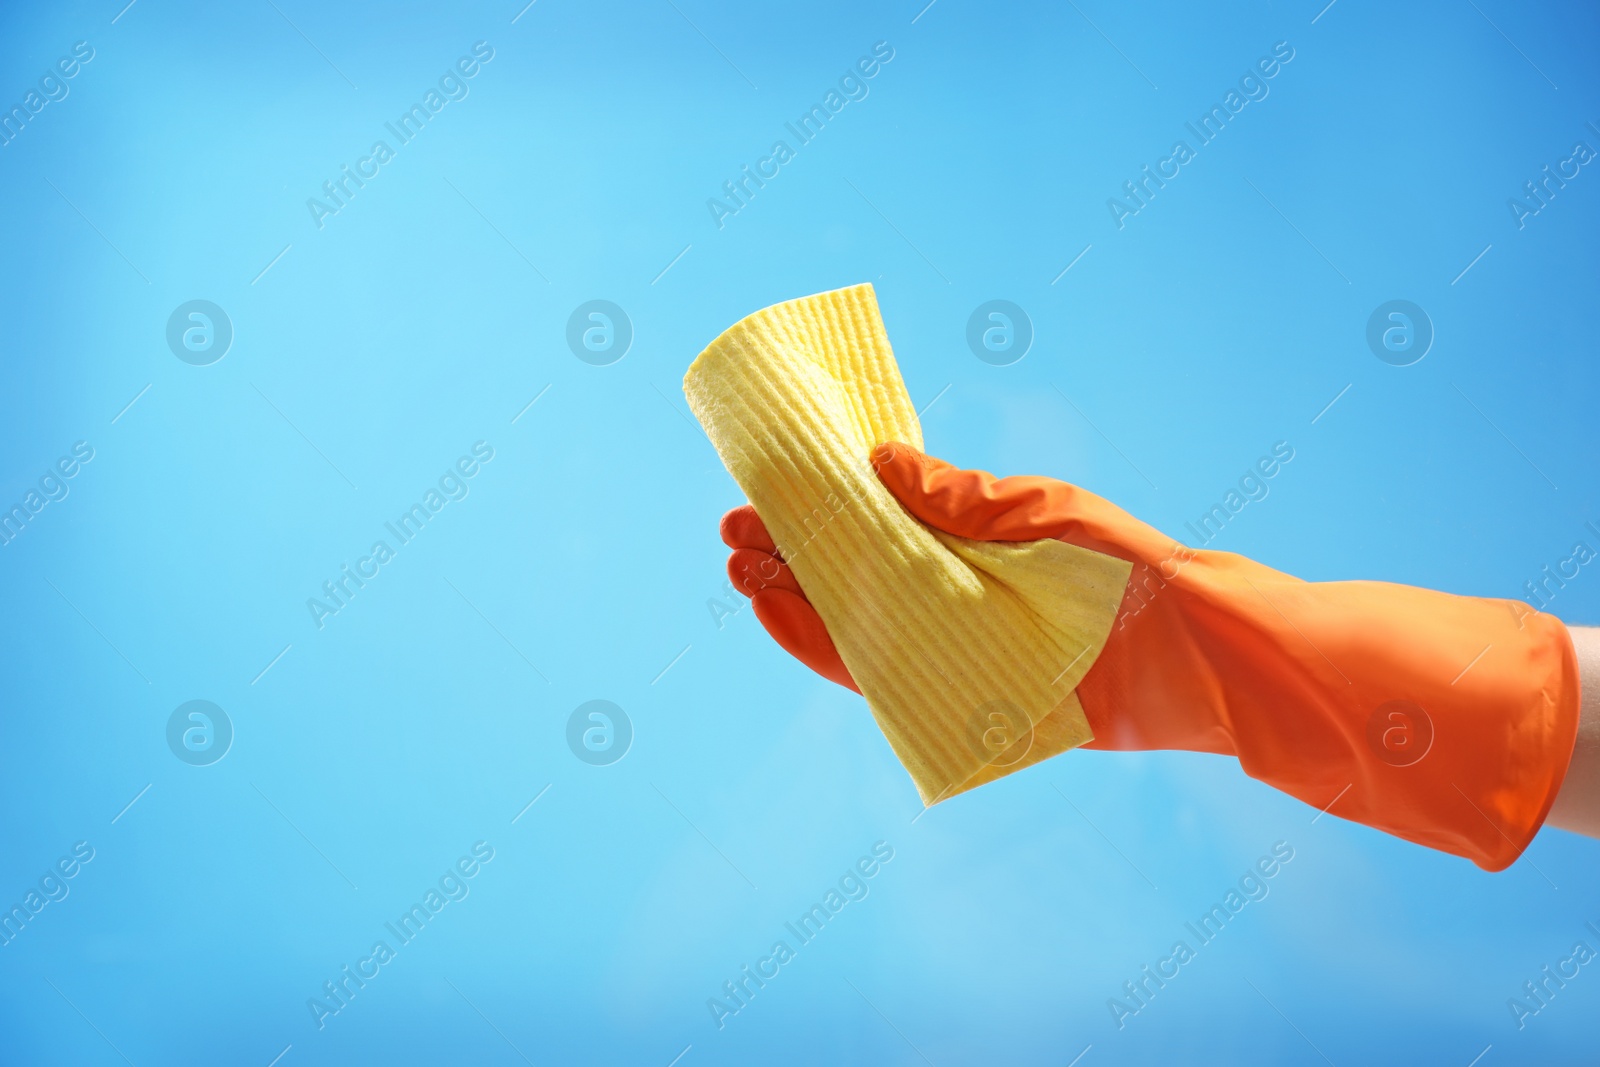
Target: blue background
425 716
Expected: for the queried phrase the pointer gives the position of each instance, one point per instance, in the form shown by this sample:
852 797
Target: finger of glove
743 528
977 505
799 631
752 570
971 503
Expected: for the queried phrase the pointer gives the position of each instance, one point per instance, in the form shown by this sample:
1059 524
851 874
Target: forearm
1445 720
1577 806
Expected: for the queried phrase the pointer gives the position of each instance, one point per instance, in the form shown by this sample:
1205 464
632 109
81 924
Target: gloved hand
1445 720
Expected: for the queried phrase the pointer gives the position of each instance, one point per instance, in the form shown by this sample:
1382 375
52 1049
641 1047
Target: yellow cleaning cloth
966 651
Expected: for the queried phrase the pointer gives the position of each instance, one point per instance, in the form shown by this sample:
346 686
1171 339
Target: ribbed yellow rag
967 652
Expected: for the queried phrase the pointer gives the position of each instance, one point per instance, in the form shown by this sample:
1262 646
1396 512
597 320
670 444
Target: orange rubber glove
1446 720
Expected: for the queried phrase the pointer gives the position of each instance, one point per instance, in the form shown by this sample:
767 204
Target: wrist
1577 803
